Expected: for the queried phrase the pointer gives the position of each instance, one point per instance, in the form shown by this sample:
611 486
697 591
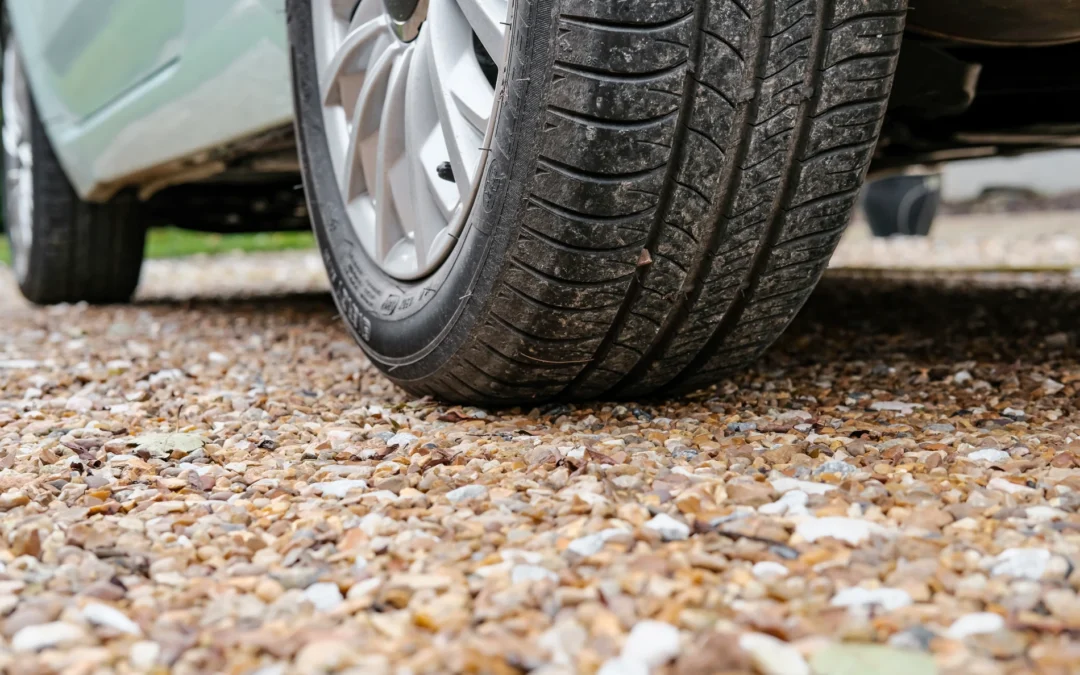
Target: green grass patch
171 242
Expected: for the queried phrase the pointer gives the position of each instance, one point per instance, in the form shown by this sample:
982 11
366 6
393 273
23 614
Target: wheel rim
19 162
408 100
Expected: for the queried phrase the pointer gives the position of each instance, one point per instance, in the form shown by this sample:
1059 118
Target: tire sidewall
412 329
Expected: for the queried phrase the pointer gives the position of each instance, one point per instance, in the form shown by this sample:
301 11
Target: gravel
228 486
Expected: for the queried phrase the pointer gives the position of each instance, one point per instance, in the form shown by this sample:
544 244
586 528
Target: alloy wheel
408 94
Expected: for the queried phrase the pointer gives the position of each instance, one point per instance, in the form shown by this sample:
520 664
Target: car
516 200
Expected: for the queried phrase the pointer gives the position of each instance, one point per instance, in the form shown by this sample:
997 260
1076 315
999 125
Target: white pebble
104 615
790 504
45 635
783 485
591 544
988 455
979 623
79 404
668 528
217 358
850 530
166 376
526 573
401 440
324 596
888 599
467 492
339 488
767 569
621 666
144 654
772 656
652 644
1009 487
1020 563
901 407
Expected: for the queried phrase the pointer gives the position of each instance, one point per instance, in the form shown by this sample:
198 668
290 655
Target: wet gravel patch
229 487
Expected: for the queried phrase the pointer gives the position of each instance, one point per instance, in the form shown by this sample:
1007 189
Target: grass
171 242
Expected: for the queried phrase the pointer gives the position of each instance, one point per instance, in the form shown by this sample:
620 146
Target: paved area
200 484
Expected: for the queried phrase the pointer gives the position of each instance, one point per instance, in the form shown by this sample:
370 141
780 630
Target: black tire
667 182
902 205
78 251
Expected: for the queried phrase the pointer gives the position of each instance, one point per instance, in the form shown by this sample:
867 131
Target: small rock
842 469
790 504
168 375
771 656
989 455
668 528
767 570
1009 487
941 428
621 666
324 596
888 599
144 654
339 488
979 623
591 544
110 617
79 404
527 573
466 493
788 484
45 635
850 530
1020 563
1051 386
900 407
401 440
652 644
962 377
1018 415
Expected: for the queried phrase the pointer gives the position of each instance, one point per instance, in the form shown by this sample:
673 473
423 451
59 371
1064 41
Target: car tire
902 205
666 182
63 249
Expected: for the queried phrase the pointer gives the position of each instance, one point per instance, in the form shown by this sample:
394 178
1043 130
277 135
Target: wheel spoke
362 156
488 21
393 199
347 57
450 37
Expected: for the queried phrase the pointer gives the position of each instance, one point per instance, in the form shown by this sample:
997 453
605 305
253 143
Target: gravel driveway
226 486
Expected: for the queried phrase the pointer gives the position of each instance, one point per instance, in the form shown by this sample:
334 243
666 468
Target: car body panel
127 85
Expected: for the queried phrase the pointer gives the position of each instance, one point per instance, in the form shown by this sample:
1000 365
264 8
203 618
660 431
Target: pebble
668 528
842 469
767 570
45 635
1020 563
466 493
790 504
340 488
849 530
528 573
978 623
591 544
889 599
652 644
324 596
110 617
771 656
989 455
788 484
900 407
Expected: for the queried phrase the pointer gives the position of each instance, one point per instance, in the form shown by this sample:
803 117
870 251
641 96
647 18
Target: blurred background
999 214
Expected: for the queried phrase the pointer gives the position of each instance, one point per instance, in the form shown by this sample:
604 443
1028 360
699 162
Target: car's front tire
660 187
63 249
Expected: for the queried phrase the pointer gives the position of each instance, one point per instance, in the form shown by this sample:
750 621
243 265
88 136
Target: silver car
516 200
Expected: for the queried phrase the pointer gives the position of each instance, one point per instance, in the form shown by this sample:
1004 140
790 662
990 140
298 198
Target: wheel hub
408 110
